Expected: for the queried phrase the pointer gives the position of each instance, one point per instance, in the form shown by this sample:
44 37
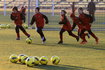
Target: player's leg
93 35
61 36
73 35
82 36
24 31
39 30
17 32
73 26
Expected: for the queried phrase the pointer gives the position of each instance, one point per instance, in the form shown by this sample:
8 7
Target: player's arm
12 17
73 15
23 17
73 10
73 7
64 20
32 20
46 18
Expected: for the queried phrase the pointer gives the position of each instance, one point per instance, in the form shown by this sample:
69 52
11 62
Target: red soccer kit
67 25
77 22
39 19
85 21
17 18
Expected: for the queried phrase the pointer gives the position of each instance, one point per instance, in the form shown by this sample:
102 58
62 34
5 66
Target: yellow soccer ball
23 59
19 57
28 40
25 26
13 58
30 61
55 60
36 61
8 26
43 60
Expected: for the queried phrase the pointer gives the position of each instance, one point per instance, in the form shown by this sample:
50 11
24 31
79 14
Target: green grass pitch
74 56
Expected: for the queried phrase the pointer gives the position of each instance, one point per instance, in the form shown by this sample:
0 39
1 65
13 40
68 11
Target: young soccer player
16 16
66 27
39 19
76 21
86 25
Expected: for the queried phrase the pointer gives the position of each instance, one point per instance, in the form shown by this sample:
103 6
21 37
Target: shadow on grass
70 45
83 46
61 67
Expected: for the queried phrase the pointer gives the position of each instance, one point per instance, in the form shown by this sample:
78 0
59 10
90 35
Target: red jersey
39 19
76 21
16 17
67 25
85 21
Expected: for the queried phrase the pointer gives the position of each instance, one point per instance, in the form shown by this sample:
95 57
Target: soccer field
73 55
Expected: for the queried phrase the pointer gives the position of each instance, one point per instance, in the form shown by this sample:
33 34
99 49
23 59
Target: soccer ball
29 40
44 60
55 60
8 25
13 58
30 61
36 61
3 26
23 58
25 26
19 57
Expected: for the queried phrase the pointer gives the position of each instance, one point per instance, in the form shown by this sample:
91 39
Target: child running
18 19
66 27
39 19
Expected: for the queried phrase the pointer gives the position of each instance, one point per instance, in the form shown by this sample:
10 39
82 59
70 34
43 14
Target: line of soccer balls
33 60
7 26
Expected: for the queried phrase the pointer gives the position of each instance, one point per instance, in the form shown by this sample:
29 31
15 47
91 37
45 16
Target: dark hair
81 8
38 8
64 11
15 8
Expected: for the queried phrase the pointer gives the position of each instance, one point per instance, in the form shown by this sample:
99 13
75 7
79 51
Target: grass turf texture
73 55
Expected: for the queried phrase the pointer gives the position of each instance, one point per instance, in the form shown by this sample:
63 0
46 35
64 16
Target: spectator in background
91 9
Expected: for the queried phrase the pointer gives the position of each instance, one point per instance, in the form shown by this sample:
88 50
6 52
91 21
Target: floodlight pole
52 7
4 7
29 12
37 3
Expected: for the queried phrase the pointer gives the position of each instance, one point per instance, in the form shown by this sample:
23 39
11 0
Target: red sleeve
75 19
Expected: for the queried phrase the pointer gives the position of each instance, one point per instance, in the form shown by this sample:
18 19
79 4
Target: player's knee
17 29
90 32
60 32
70 33
39 31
